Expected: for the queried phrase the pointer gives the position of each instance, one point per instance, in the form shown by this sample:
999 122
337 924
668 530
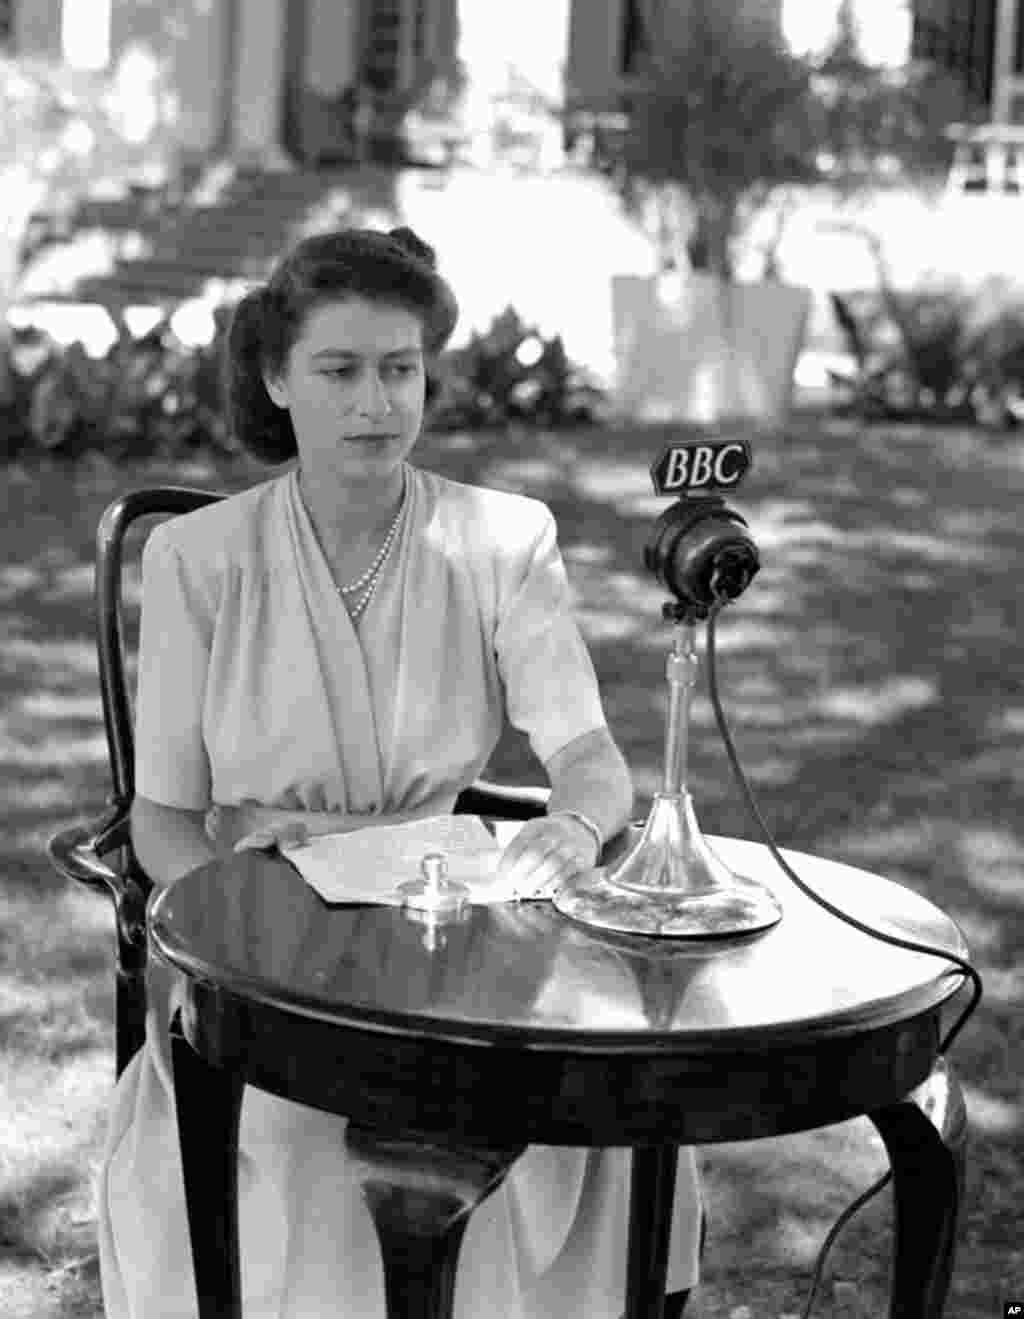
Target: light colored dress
256 690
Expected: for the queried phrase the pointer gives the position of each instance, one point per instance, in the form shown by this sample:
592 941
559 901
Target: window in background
884 26
635 43
384 40
419 29
85 33
961 40
7 26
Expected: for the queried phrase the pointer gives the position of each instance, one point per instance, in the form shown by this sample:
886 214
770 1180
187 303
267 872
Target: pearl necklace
363 588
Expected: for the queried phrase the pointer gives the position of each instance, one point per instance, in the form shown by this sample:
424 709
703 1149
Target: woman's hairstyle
395 268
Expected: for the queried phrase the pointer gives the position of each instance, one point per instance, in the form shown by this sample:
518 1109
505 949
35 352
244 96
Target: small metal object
434 892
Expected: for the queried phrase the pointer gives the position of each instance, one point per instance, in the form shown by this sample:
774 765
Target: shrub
144 397
512 373
937 356
154 397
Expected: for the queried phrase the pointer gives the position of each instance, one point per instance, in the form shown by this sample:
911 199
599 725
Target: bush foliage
151 396
932 355
512 373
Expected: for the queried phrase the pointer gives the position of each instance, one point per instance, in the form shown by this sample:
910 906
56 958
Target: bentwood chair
99 853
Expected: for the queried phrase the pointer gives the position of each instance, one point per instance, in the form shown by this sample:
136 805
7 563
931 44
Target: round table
414 1032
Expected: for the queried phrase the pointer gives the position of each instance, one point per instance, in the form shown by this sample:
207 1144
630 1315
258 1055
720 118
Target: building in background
962 35
259 80
982 43
6 24
607 40
290 78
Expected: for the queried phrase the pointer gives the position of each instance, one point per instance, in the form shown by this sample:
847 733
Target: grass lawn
873 679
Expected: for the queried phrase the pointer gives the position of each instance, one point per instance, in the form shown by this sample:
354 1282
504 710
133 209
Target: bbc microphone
700 550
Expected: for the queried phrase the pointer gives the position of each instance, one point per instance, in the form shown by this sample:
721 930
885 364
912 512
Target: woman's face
354 387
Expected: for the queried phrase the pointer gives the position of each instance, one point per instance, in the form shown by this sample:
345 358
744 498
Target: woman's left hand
546 852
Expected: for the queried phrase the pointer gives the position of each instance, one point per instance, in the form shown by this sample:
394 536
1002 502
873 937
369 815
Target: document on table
366 865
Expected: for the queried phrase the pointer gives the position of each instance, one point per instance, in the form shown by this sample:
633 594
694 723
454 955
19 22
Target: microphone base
593 899
670 885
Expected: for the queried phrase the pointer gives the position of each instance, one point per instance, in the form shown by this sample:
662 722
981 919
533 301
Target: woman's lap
551 1240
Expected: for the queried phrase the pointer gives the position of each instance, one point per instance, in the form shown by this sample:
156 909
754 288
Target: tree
721 113
722 107
59 128
874 123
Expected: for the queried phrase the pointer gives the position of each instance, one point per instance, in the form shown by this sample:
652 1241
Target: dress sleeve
171 764
551 690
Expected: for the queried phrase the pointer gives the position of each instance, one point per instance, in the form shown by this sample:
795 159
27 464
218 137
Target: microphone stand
671 883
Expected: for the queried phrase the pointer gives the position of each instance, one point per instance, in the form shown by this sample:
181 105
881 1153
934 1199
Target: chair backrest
117 711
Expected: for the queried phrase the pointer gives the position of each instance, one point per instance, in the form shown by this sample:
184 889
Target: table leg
209 1103
420 1196
651 1192
925 1135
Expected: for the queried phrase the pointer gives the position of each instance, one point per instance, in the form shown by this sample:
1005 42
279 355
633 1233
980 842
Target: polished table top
518 972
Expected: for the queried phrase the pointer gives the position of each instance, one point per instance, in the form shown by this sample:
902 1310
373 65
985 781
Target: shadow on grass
872 677
24 1203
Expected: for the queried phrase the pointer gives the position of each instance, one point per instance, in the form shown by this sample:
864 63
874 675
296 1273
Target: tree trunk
710 242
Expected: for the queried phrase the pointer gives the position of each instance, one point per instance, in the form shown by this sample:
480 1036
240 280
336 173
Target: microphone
699 549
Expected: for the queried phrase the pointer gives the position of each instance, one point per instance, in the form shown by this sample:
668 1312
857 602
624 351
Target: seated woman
336 648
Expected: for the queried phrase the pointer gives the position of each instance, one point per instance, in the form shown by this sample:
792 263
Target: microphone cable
721 599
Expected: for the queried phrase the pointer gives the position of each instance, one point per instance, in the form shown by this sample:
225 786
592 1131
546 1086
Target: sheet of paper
368 864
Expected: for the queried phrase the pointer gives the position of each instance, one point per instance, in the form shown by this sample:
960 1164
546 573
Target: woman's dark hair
396 268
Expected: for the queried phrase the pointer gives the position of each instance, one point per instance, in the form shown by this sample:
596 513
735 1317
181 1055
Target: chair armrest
76 854
503 802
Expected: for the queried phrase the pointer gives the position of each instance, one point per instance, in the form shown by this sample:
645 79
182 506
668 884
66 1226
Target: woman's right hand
259 828
292 833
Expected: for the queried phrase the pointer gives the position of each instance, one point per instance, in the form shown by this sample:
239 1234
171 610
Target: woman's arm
169 841
589 775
